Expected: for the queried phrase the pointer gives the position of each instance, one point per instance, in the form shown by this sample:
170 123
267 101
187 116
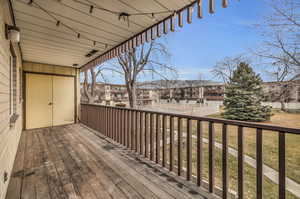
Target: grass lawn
270 142
270 153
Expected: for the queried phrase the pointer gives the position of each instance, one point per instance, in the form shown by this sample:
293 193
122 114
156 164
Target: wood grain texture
74 161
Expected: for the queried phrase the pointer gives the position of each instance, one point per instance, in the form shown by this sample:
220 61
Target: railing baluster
100 119
225 160
259 164
199 152
104 117
179 147
124 128
132 129
136 132
108 122
87 119
97 118
146 136
111 123
281 159
164 141
92 118
105 121
189 151
240 163
211 159
141 134
128 129
171 143
151 137
120 125
114 124
157 139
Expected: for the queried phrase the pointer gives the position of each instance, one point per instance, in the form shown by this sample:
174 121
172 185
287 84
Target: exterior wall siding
47 68
9 135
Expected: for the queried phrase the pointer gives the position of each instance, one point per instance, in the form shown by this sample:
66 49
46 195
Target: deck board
74 161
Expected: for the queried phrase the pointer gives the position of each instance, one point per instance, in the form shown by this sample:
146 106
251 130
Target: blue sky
198 46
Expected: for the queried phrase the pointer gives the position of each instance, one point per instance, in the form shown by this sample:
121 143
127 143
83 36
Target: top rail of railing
215 120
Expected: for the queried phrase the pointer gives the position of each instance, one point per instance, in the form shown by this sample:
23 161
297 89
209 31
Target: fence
147 132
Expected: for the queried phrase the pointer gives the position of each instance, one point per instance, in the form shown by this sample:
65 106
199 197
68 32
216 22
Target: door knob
50 103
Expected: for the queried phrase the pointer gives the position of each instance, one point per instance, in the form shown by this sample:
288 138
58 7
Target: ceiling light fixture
91 9
153 17
12 33
125 16
92 52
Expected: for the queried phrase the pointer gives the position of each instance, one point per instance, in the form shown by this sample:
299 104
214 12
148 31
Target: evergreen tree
243 96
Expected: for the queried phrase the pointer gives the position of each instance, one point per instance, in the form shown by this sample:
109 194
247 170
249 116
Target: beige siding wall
9 136
54 69
46 68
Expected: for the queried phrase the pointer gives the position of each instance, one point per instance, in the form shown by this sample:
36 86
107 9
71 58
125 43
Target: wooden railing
145 132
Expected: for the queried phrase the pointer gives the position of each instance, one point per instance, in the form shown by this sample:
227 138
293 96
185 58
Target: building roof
158 84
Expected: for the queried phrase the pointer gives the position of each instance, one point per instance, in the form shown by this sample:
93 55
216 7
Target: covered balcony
52 146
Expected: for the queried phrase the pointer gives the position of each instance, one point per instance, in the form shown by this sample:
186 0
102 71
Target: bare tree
280 50
144 60
281 33
284 75
90 79
223 69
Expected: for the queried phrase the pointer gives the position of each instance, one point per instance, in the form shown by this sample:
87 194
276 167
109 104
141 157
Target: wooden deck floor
74 162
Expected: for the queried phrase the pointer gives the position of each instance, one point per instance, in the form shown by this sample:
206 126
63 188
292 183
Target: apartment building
199 92
289 90
111 94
